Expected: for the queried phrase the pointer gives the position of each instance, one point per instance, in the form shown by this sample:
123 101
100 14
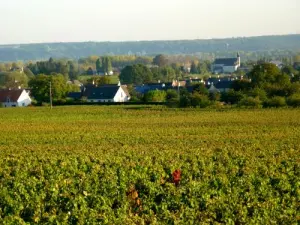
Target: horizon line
157 40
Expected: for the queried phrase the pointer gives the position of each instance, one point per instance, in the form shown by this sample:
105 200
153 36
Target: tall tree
136 74
99 67
160 60
264 73
73 71
106 64
194 68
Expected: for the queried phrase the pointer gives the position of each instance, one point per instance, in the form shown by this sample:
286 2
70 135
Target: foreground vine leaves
113 165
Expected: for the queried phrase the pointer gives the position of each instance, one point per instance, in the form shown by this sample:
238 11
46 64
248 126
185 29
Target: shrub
215 96
258 93
199 100
155 96
276 101
251 102
185 98
172 98
294 100
232 97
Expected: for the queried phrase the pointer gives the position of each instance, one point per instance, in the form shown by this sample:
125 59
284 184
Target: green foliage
155 96
100 80
200 89
66 68
200 100
185 98
114 165
232 97
265 73
194 68
241 85
214 96
294 100
99 67
134 95
276 101
172 98
136 74
106 65
261 94
13 80
250 102
40 87
28 73
160 60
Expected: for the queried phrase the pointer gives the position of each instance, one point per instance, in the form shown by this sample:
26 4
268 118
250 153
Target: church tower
238 59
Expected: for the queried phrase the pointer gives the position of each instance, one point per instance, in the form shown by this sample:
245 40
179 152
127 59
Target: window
8 99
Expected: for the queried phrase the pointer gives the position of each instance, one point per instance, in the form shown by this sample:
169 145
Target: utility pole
50 93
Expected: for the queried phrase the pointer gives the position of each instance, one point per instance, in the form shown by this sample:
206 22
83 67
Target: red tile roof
13 95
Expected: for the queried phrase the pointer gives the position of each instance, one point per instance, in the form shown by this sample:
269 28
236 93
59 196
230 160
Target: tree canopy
40 87
136 74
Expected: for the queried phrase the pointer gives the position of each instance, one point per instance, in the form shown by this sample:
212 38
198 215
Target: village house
105 93
108 94
160 86
226 65
14 98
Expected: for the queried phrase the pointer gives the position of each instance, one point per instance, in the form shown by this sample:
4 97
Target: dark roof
13 95
227 61
105 92
143 89
223 84
74 95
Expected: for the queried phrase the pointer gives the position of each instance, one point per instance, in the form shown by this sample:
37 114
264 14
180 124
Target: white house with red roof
14 98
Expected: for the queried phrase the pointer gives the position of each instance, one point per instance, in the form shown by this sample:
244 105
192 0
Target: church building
226 65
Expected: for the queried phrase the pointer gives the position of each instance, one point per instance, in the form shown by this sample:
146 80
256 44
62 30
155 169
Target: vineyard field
149 165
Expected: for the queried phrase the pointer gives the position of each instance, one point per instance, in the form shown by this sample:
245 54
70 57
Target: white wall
230 69
121 96
24 100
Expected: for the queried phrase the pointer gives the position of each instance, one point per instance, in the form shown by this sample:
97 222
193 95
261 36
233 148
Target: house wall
10 104
24 99
230 69
121 96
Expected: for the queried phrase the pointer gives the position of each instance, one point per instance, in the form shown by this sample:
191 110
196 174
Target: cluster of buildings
119 93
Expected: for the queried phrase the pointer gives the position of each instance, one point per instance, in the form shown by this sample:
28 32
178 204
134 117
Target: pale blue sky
32 21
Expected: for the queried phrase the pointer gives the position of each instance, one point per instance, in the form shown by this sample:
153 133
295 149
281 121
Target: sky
37 21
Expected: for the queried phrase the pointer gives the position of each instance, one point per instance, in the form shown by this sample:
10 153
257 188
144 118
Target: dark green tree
136 74
73 71
194 68
99 67
160 60
106 65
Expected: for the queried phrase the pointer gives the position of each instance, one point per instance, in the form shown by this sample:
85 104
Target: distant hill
84 49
